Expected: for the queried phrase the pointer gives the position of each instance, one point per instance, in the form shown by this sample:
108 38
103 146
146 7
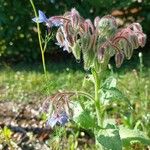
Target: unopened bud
134 41
101 53
136 27
96 21
88 58
90 25
119 57
74 18
126 47
76 50
142 40
107 26
60 38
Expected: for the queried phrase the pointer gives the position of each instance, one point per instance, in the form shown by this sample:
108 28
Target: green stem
98 104
40 40
85 95
97 97
43 62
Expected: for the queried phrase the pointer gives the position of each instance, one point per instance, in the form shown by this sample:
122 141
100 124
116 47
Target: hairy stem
97 97
98 104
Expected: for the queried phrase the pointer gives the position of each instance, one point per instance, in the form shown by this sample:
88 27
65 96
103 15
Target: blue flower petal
63 118
51 122
42 16
37 20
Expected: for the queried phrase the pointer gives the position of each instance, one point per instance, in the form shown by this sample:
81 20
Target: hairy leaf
109 138
128 136
113 94
85 119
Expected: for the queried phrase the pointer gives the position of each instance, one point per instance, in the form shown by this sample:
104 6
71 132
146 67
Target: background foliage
18 37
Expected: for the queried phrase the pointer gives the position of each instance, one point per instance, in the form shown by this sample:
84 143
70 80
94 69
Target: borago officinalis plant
94 42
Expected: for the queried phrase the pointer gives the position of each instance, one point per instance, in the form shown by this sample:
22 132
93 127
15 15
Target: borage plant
95 43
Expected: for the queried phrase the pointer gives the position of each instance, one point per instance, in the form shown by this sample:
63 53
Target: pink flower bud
101 53
75 17
135 27
96 21
119 57
126 47
60 38
90 25
134 41
142 39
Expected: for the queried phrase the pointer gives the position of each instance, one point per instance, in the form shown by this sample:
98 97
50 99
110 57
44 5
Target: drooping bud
136 27
96 21
128 51
85 39
134 41
89 25
119 57
76 50
75 17
60 38
101 53
88 61
142 39
126 47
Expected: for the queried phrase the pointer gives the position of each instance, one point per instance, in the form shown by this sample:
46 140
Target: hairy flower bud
134 41
89 25
101 53
76 50
142 39
107 26
126 47
96 21
60 38
75 17
119 57
136 27
88 61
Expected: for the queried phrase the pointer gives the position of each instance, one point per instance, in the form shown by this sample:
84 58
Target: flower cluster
58 109
97 41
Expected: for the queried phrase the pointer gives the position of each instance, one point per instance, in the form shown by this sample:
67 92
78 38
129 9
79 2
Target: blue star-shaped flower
42 18
52 21
61 118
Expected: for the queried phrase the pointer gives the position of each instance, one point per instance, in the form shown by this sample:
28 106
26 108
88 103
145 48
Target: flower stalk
40 40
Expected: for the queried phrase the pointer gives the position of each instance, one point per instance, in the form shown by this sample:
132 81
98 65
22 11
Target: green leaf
128 136
109 138
113 94
84 119
109 83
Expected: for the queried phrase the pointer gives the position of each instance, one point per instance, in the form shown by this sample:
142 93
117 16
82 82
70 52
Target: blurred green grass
25 83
